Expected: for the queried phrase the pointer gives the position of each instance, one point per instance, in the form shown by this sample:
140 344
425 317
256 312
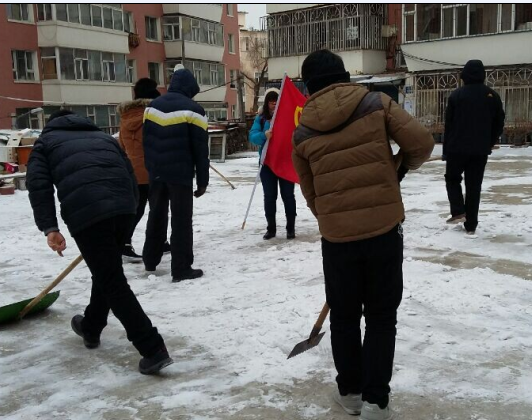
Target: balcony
193 51
212 12
73 92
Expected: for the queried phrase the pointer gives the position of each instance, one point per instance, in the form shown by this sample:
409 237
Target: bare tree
258 58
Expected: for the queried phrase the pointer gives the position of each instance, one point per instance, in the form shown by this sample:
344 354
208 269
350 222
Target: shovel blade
306 345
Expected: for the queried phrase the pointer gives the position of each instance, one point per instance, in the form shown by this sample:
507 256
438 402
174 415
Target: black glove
401 172
200 191
443 157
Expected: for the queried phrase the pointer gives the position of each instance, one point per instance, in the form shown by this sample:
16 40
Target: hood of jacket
72 122
183 82
473 72
131 113
332 106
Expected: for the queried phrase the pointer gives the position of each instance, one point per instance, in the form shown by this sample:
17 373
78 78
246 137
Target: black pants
269 185
179 197
141 208
472 166
364 277
101 246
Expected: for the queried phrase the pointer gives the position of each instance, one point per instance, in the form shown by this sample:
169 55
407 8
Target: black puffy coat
93 176
175 134
474 119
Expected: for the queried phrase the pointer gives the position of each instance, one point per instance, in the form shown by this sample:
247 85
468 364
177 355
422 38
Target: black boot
290 227
271 230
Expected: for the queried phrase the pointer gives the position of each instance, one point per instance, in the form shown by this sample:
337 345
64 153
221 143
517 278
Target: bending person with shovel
97 190
349 179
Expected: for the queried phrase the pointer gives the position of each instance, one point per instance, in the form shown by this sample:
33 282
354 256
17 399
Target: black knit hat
321 69
146 88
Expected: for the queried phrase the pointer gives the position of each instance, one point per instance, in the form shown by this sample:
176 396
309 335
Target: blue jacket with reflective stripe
175 134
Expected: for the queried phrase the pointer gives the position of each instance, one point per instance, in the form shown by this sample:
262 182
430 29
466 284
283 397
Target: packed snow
464 331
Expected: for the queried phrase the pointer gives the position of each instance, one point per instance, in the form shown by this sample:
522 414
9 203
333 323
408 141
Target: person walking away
97 191
130 139
348 177
474 121
271 183
175 146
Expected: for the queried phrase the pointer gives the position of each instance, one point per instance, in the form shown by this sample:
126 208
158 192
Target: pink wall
231 61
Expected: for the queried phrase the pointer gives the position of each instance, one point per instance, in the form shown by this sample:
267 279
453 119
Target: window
232 77
448 22
195 30
128 22
131 71
151 29
197 72
91 113
73 12
231 43
18 11
171 28
234 114
49 63
483 18
61 12
410 14
211 31
428 21
120 68
244 43
461 21
506 17
214 75
257 76
44 11
66 63
153 71
523 16
81 64
229 9
95 65
112 117
23 65
107 18
85 13
118 25
108 67
96 15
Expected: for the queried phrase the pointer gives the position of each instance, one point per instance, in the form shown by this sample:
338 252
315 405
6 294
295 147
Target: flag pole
264 151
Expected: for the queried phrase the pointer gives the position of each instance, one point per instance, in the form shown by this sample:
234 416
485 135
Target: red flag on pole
286 119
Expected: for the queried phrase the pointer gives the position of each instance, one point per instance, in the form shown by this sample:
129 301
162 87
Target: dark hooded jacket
474 118
93 176
175 134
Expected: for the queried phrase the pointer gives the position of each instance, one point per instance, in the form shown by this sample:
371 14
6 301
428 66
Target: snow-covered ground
464 344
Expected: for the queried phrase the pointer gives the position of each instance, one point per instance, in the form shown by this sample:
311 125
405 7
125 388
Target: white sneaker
351 403
374 412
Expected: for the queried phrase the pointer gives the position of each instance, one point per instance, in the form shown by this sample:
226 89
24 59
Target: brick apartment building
86 57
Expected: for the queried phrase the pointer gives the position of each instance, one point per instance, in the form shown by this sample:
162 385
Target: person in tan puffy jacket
130 139
349 177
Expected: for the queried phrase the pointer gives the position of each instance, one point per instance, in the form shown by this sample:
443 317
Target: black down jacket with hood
93 176
474 118
175 134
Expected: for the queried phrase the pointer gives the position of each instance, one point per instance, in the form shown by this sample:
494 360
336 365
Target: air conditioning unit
388 30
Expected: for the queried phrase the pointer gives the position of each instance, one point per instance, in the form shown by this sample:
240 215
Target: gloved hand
443 157
401 172
200 191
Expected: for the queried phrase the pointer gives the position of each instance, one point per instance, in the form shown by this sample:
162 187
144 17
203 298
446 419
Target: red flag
286 119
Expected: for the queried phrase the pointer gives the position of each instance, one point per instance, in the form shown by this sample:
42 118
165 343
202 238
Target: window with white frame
229 9
428 21
44 11
196 28
96 15
154 72
107 18
171 28
506 17
81 64
128 22
131 71
483 18
214 75
112 117
198 72
85 14
211 33
73 12
231 43
91 113
523 16
232 77
409 22
108 67
49 63
151 28
234 114
23 66
18 11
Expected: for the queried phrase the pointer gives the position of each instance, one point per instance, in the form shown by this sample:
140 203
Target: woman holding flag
260 133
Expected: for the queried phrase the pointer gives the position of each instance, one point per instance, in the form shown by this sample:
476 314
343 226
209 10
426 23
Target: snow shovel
315 336
43 300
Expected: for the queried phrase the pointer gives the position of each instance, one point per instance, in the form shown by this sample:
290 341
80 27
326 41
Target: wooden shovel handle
321 319
223 177
58 280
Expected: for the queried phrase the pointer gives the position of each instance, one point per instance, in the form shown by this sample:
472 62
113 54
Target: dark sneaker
152 365
91 342
167 248
269 235
454 220
149 268
189 274
290 234
351 403
129 254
